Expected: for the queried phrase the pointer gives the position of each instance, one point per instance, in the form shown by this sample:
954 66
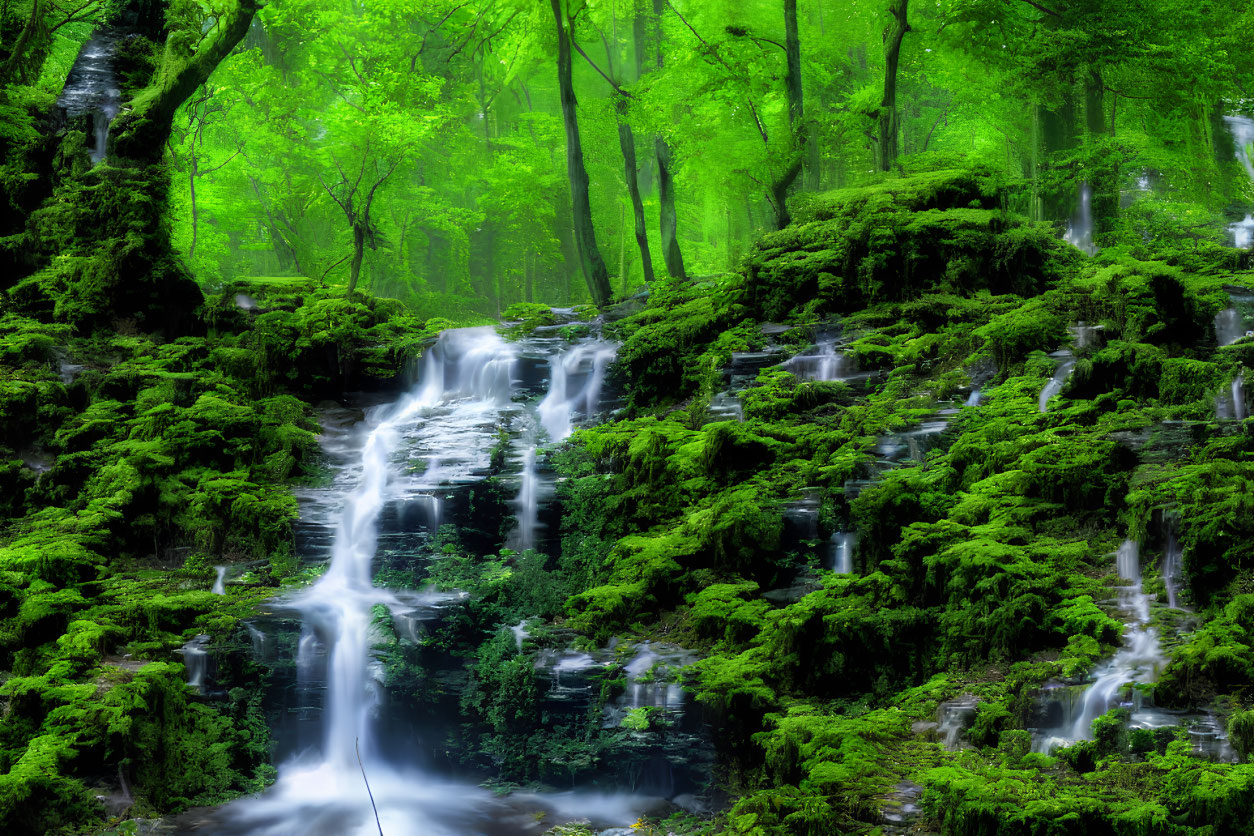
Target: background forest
859 416
427 141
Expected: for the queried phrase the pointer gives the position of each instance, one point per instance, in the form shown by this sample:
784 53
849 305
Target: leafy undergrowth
983 563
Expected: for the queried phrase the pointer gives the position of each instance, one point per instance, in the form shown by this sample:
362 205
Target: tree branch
1038 6
592 63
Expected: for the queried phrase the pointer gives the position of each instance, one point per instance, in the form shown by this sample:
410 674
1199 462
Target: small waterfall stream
1080 228
1137 662
1242 130
92 89
408 472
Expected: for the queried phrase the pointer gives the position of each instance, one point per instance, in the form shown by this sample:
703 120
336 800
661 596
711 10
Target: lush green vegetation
297 197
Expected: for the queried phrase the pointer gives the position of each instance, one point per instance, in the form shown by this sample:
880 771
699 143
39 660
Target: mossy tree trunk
141 135
96 251
889 128
796 118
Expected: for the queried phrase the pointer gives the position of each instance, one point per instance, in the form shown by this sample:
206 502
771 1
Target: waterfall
1242 130
1054 386
219 582
973 399
196 660
840 552
1231 405
822 362
577 377
1173 567
91 89
418 463
527 503
1229 326
1137 662
1080 227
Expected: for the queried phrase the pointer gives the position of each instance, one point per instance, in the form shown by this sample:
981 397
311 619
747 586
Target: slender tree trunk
778 192
359 252
792 78
627 141
668 220
594 270
191 185
889 127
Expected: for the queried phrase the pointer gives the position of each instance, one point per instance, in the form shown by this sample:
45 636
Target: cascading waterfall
1242 130
1137 662
568 400
1173 566
823 362
527 503
1231 405
841 550
92 90
1229 326
1080 227
1066 366
219 581
467 391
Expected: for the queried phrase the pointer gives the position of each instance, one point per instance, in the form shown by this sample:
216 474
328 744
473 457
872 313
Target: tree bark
627 141
668 220
191 185
142 134
888 124
17 57
359 253
590 259
796 118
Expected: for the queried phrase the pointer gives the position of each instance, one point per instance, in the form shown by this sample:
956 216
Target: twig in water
357 749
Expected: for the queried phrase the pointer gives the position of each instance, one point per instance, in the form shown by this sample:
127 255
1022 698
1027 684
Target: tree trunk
889 128
778 192
142 134
16 63
359 252
668 220
792 78
594 270
627 141
191 185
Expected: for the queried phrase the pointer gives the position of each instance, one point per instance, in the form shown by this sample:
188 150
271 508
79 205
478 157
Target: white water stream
1137 662
410 453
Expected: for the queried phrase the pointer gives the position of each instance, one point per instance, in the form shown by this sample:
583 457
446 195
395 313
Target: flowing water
1066 365
405 471
1229 326
841 550
92 89
1137 662
219 581
1230 405
822 362
1173 566
1242 130
1080 228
